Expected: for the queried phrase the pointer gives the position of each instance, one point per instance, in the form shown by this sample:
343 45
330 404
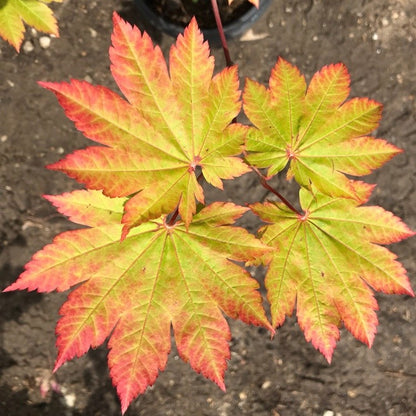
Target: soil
283 376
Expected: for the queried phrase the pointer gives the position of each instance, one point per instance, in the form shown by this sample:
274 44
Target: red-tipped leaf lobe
171 122
134 291
327 263
316 131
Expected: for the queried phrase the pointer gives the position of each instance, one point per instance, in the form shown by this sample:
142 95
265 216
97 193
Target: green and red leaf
169 125
315 130
327 262
14 13
136 289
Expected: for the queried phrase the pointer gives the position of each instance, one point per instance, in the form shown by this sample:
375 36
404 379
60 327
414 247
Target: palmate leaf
14 13
170 125
327 261
160 275
322 136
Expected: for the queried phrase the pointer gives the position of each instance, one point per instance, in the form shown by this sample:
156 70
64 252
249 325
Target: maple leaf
33 12
160 275
326 261
321 136
169 126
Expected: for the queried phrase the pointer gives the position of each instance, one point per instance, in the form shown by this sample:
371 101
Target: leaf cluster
154 256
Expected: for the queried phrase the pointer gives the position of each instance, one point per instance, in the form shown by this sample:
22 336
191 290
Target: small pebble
352 394
93 32
266 384
70 399
328 413
397 340
28 47
3 138
45 42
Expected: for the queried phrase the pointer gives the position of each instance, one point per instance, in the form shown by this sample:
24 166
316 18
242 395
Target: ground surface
284 376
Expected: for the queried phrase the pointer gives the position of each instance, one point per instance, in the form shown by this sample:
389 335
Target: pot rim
232 29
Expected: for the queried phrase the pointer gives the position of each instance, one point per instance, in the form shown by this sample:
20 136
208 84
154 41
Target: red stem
263 181
218 21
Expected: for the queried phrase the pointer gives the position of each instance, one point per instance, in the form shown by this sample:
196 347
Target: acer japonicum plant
153 255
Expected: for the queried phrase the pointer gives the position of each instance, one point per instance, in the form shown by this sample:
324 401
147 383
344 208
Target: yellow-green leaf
160 275
172 124
327 261
14 13
315 130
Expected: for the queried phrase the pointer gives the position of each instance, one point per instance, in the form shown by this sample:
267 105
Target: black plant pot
232 29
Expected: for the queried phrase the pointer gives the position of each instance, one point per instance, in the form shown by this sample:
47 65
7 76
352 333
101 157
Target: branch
265 184
224 44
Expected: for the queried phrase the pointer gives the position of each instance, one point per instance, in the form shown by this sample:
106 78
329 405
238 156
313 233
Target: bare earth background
285 376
